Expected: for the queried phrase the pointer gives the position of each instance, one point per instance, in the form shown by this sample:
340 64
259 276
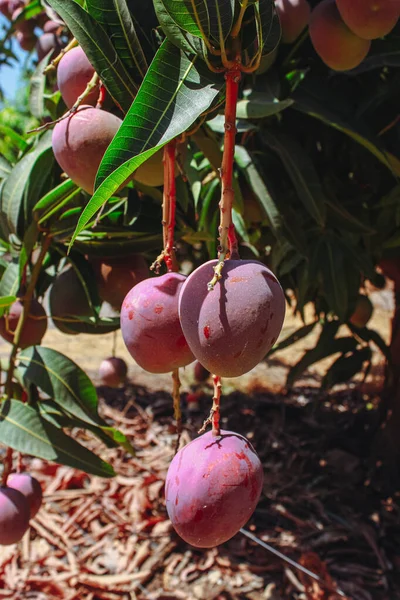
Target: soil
327 503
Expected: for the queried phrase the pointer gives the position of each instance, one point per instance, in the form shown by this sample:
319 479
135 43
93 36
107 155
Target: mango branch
53 64
176 397
26 301
227 237
92 84
169 211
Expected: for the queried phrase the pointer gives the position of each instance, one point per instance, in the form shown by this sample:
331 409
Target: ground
325 503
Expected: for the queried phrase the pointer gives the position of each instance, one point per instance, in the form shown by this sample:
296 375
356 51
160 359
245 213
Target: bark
386 448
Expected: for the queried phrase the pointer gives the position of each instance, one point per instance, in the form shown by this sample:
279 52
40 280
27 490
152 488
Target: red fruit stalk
7 466
214 415
216 405
102 96
227 238
170 197
168 211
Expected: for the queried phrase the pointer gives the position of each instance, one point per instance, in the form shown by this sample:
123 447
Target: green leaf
259 105
28 244
5 167
31 10
343 219
267 32
301 171
15 137
209 207
116 19
332 264
273 37
177 36
393 241
345 367
61 379
99 50
22 428
111 437
248 165
240 227
56 198
71 389
55 195
37 88
207 143
5 302
23 184
221 13
317 100
85 274
190 15
175 91
10 281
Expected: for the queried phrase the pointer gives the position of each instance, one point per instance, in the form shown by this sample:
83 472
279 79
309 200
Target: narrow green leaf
31 10
331 260
177 36
263 30
221 14
99 50
5 167
249 166
260 105
208 144
316 100
341 217
209 206
116 19
22 428
37 88
111 437
21 184
10 281
15 137
301 171
28 243
61 379
38 183
84 272
5 302
240 227
271 35
175 91
55 195
190 15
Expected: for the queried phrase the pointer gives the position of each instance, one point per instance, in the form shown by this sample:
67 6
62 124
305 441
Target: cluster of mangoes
40 32
340 30
213 483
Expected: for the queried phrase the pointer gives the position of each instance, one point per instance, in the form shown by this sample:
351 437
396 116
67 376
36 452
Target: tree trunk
387 443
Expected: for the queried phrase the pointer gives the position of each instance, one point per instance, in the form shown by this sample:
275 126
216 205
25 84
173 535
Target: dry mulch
324 504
